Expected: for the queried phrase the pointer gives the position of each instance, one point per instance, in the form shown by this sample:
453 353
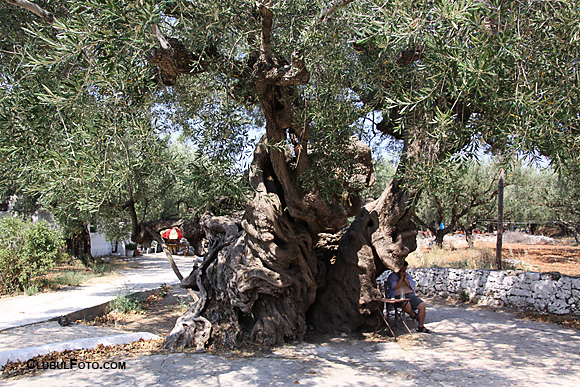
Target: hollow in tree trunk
380 237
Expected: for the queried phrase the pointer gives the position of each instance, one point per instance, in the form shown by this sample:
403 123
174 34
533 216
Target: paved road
470 346
152 270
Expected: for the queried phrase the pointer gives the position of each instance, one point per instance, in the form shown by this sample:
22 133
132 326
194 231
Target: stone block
553 276
508 281
517 301
532 276
544 289
423 282
496 276
521 292
558 307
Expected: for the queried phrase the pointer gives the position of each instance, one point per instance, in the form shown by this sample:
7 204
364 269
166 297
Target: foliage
27 250
563 199
126 304
531 195
468 75
526 196
461 195
384 172
64 278
82 134
130 246
564 196
463 296
456 74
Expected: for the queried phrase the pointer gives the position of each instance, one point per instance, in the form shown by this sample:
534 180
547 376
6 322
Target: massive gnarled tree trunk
261 276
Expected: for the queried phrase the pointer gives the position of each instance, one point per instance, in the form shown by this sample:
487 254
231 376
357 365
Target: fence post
500 184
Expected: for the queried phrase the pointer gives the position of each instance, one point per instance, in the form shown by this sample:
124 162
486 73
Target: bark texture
260 274
380 237
262 277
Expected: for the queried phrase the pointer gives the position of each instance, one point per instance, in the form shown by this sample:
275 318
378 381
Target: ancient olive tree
319 78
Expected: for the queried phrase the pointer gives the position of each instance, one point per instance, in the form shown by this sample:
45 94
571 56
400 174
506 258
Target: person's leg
409 310
422 309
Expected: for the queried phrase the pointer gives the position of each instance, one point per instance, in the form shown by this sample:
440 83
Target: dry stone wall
538 292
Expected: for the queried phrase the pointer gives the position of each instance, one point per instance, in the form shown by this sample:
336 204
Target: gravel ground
470 345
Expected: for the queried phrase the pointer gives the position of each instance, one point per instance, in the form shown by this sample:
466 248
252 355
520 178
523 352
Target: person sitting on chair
401 283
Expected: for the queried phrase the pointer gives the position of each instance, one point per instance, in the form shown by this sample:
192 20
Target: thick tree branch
130 206
161 38
266 34
177 59
440 210
287 75
409 56
326 12
423 223
34 8
388 125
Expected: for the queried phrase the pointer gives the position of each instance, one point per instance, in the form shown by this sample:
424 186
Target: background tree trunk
439 235
79 245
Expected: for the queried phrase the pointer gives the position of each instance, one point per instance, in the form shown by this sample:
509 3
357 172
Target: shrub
463 296
130 246
27 250
126 304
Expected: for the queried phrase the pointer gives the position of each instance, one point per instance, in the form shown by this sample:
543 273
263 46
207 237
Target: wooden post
500 184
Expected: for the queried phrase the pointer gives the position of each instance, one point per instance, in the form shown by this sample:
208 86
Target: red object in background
172 233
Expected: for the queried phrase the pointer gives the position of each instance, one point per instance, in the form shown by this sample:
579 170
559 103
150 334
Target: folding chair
395 307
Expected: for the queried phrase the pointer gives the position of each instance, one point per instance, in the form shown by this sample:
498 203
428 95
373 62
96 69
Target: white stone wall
539 292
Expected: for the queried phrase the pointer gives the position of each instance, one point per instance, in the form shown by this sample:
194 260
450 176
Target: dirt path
160 311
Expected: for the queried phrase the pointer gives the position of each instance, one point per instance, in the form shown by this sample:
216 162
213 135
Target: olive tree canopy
99 84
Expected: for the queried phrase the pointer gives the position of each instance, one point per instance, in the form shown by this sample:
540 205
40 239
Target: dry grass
157 314
475 258
520 252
